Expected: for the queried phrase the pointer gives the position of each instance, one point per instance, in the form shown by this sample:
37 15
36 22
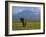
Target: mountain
27 14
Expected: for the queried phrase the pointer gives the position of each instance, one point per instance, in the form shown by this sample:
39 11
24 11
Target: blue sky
17 9
26 12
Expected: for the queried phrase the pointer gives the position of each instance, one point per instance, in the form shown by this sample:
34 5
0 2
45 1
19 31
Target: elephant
23 22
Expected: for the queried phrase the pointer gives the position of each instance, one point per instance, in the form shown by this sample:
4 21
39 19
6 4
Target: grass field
17 25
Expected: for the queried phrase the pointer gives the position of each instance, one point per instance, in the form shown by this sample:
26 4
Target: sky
26 12
18 9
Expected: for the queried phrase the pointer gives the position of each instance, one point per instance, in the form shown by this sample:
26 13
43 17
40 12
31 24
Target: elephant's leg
23 24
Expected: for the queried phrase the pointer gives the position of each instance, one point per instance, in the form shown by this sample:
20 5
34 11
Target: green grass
17 25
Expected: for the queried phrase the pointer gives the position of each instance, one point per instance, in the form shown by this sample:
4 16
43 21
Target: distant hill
27 14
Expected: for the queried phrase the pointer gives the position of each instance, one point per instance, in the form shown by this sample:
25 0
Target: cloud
35 10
